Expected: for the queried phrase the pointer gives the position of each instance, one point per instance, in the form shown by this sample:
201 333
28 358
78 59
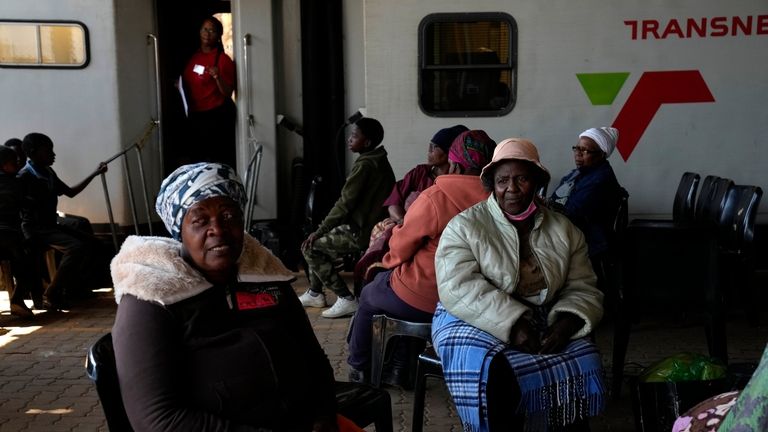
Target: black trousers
211 135
79 251
23 265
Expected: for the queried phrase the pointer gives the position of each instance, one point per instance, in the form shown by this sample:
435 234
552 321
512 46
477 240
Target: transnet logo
652 90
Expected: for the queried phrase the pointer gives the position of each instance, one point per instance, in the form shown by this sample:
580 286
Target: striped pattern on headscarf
190 184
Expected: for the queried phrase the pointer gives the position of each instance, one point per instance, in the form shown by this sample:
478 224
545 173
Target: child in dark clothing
347 227
42 188
16 145
11 239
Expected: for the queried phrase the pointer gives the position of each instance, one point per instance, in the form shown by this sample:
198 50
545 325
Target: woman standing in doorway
209 80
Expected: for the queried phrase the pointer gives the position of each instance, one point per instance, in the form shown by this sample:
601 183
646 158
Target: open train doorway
249 37
179 27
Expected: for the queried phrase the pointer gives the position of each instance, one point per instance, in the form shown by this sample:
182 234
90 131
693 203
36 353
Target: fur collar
151 269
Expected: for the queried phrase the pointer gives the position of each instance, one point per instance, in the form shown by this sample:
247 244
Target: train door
247 39
178 30
253 38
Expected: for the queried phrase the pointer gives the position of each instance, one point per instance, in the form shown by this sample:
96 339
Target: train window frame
38 24
424 68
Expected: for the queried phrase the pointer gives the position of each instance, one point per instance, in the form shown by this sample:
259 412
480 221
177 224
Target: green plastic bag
684 367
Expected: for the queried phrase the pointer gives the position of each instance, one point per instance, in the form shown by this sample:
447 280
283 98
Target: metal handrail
158 102
254 163
253 171
138 145
247 74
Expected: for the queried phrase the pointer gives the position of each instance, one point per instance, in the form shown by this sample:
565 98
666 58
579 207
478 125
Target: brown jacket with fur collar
194 356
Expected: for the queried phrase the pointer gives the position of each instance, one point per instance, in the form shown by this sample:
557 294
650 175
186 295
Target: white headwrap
605 137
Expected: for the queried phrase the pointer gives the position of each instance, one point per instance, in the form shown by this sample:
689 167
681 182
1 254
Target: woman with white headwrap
590 194
209 334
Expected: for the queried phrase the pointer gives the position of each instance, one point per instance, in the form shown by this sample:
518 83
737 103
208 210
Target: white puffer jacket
477 265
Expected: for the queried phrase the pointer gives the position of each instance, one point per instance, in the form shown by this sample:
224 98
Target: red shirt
415 180
201 89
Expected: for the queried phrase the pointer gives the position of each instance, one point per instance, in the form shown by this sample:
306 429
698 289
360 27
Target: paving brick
15 425
42 368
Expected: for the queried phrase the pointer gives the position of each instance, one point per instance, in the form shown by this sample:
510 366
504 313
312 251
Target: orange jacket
412 247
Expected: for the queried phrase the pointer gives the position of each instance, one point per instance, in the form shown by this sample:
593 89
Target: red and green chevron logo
651 91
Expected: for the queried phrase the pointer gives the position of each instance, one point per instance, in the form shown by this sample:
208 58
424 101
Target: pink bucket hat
515 148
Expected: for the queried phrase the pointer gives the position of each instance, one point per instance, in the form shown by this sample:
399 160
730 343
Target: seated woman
590 194
744 411
209 334
408 290
517 298
403 195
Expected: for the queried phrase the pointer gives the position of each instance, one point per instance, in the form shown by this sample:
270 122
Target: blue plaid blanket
555 389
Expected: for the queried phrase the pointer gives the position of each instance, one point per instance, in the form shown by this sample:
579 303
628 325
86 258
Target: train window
467 64
52 44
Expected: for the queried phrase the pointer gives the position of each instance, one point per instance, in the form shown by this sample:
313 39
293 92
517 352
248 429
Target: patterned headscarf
472 150
190 184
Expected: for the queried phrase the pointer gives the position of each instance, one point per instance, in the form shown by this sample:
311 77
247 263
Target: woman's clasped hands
525 338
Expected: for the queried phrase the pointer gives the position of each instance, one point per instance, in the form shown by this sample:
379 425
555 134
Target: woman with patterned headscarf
517 298
403 195
407 290
209 334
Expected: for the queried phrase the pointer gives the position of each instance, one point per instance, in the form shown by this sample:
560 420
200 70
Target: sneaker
21 311
308 300
342 308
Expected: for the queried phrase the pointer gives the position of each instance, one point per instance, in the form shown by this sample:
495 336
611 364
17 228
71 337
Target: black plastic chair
683 206
429 366
384 329
711 201
687 256
607 266
361 403
100 368
685 198
364 405
736 247
737 221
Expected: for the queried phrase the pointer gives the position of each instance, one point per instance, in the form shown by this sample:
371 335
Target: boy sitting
42 188
347 227
11 239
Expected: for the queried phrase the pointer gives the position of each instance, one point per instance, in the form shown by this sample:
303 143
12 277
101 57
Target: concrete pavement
43 386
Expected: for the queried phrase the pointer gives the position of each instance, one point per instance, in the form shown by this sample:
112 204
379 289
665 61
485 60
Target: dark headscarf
444 137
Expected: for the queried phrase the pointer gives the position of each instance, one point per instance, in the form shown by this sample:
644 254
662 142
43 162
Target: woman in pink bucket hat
517 298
